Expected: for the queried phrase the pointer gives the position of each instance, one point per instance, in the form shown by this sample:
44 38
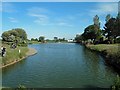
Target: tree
36 39
16 34
32 39
22 33
96 21
56 39
118 16
92 32
42 39
112 28
108 17
5 36
78 38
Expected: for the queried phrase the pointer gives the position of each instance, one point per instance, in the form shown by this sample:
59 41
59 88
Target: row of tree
40 39
109 34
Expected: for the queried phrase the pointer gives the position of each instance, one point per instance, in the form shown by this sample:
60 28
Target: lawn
111 50
13 54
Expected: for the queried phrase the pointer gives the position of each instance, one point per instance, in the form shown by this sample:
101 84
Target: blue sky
50 19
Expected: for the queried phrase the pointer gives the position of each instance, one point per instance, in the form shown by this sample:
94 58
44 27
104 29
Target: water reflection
60 65
15 66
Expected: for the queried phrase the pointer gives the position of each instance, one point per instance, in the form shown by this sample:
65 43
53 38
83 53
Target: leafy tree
79 38
42 39
22 33
11 38
108 17
5 36
92 32
56 39
32 39
36 39
16 34
112 28
96 21
118 16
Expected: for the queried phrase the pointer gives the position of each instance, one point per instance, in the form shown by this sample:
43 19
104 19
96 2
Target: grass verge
110 51
13 54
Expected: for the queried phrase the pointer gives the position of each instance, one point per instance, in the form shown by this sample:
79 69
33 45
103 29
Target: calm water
59 65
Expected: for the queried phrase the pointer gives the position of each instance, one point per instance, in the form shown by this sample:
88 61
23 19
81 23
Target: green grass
112 50
34 42
13 54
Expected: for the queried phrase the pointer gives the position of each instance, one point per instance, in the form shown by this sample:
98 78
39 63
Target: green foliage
92 32
112 28
42 39
108 17
17 34
32 39
96 21
79 38
118 16
116 85
110 33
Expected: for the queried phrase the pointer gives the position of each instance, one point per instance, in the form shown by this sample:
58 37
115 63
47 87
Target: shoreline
110 59
30 52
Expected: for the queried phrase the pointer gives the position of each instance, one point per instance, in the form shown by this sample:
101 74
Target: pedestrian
3 51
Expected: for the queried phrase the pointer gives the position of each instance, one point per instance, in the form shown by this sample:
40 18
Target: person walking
3 51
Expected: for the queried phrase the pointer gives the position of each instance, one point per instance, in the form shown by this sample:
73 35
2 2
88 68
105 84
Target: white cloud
40 18
13 19
37 10
40 15
64 24
103 9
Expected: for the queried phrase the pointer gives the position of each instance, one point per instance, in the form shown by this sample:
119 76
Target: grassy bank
110 51
13 54
34 42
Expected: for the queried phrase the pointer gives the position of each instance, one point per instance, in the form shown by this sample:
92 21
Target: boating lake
59 65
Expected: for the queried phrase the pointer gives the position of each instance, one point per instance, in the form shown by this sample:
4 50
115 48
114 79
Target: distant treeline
42 39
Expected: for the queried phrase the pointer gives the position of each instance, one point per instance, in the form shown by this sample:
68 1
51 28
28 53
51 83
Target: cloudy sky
62 19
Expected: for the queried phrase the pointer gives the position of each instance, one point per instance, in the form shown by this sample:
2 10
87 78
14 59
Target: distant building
70 40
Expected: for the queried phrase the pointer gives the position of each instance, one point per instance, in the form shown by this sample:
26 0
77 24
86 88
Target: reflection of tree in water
108 74
93 61
96 65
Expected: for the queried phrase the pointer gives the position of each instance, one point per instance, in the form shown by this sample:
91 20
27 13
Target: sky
60 0
54 19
